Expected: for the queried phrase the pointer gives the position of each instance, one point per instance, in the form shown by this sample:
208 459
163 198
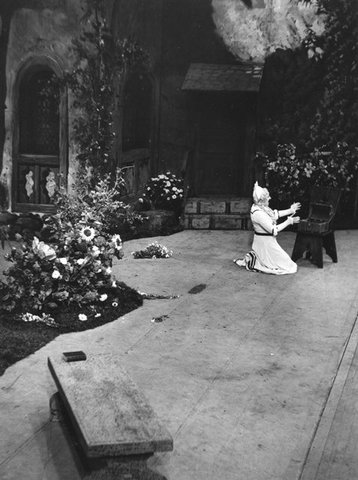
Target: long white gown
267 255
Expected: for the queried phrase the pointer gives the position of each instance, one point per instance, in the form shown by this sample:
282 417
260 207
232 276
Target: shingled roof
223 78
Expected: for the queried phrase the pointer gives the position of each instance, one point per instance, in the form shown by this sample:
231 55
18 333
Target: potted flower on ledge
162 202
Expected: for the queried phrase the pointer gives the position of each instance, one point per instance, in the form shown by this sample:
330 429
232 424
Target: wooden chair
316 232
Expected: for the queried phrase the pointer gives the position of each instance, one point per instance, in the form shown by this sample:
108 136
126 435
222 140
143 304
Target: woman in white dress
266 255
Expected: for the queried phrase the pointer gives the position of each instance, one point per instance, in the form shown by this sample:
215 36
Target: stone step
222 205
216 222
217 213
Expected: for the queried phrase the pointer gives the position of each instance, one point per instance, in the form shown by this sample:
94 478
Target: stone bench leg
129 467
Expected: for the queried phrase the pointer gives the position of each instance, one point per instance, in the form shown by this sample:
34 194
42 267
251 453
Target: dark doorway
137 112
220 146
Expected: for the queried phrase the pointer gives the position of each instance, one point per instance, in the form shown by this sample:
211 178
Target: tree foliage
311 104
337 115
311 92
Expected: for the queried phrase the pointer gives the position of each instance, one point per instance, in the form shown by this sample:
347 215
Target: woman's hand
294 207
293 220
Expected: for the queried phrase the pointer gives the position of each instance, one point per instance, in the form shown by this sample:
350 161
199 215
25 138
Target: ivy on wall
102 63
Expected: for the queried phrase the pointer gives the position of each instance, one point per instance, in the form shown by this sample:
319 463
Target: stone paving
243 373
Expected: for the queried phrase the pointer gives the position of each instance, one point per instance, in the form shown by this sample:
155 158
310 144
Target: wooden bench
111 418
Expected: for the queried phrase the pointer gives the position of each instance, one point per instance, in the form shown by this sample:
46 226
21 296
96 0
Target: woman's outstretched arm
290 211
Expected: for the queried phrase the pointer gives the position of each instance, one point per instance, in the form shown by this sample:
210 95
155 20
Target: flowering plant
74 272
290 175
165 191
153 250
100 203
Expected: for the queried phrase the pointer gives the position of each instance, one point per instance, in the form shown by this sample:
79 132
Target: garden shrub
290 174
74 272
100 203
69 267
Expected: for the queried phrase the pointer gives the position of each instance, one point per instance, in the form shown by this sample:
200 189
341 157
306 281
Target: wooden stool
313 243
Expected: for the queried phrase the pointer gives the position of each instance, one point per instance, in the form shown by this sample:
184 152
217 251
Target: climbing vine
102 61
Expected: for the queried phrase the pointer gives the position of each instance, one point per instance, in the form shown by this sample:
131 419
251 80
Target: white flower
117 241
108 270
174 197
29 317
87 233
82 317
43 250
80 261
114 284
114 304
95 250
97 315
35 245
63 260
56 274
103 297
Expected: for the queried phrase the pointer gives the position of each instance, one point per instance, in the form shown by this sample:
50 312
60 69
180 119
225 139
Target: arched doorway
40 146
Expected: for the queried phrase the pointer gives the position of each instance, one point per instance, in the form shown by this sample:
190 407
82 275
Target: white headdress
259 193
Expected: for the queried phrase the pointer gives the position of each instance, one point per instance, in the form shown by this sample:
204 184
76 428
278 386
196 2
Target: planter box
156 221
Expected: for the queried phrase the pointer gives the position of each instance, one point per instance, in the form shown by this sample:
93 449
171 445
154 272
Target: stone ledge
218 205
217 222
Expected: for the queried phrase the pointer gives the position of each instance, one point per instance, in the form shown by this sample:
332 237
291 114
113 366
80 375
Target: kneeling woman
266 255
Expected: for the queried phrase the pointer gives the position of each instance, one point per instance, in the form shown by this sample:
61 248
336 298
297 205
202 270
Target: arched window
40 145
137 112
39 114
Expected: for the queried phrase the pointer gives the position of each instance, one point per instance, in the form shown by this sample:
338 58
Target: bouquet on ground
153 250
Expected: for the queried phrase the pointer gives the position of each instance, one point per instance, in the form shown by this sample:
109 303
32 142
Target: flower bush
153 250
74 272
100 203
290 175
166 191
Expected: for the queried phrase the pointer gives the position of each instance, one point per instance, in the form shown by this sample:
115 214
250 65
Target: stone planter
157 222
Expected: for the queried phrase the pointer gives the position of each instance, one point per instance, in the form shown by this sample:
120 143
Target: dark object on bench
111 418
316 231
76 356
